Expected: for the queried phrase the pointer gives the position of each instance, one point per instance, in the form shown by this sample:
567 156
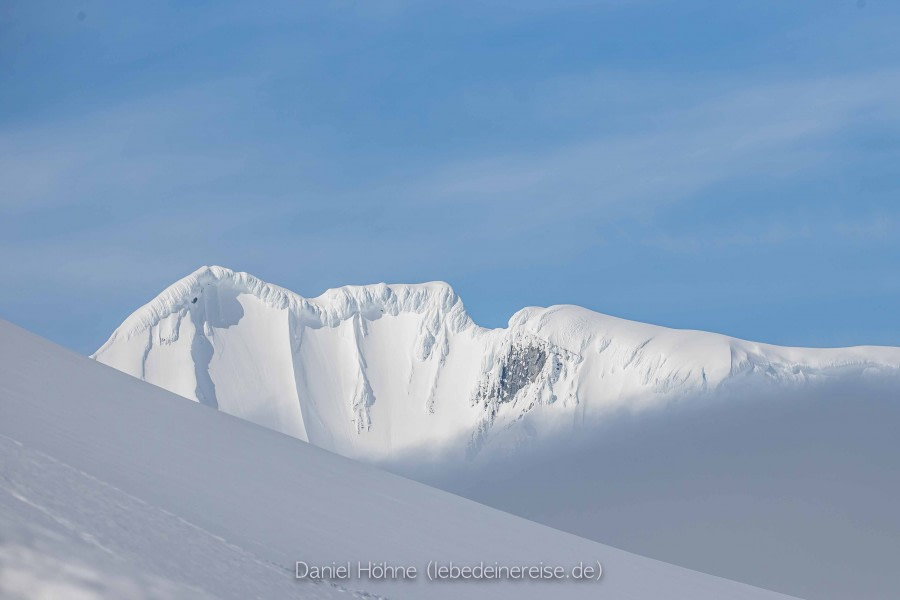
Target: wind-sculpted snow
111 488
437 301
381 370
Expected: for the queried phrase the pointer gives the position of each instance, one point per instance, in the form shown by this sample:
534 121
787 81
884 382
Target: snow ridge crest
436 300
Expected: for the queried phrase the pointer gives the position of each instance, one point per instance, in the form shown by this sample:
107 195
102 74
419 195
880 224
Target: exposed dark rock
521 366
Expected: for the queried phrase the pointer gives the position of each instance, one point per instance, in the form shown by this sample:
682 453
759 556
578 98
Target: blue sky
728 166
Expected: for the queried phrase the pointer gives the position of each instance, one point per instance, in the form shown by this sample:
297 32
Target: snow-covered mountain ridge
373 371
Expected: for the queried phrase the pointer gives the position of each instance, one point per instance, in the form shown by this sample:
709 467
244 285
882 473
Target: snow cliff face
376 371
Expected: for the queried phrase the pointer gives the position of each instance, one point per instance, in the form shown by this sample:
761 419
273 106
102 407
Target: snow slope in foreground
115 488
381 371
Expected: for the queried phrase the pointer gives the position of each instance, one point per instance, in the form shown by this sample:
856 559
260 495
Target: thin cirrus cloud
642 155
771 128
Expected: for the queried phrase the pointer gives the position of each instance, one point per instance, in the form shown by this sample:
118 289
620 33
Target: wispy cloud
770 129
320 147
133 153
126 149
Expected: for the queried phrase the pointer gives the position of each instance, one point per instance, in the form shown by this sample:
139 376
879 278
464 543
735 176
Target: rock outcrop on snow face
375 371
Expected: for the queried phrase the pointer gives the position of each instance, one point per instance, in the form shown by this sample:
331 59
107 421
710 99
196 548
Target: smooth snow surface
113 488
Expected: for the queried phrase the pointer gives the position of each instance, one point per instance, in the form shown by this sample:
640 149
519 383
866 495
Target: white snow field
113 488
769 465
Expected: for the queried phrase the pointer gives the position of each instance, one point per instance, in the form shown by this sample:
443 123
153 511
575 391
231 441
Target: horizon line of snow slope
113 488
381 370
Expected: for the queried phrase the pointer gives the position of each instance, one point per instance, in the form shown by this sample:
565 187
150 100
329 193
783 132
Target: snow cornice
436 299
